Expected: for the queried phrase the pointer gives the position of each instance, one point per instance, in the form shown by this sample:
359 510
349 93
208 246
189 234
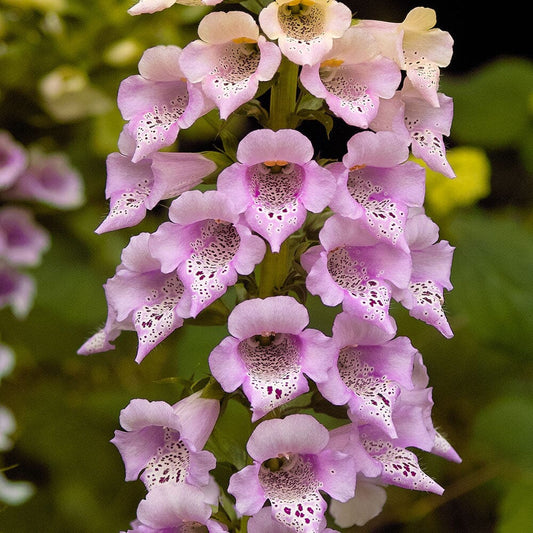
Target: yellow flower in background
472 182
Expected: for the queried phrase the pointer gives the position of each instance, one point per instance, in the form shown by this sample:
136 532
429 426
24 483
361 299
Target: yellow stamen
277 163
302 2
357 167
247 40
332 63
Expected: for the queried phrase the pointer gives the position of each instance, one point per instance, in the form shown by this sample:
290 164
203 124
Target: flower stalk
370 243
283 96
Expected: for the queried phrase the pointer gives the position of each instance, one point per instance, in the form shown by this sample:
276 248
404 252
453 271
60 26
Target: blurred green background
61 62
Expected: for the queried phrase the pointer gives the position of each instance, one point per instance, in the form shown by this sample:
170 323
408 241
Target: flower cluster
31 176
274 220
27 176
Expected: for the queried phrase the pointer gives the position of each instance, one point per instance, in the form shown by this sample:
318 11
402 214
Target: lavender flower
377 183
159 101
207 245
292 464
163 443
22 240
352 77
432 263
370 373
275 182
229 59
174 509
305 30
50 179
422 124
17 290
133 188
351 266
263 522
140 297
269 351
13 160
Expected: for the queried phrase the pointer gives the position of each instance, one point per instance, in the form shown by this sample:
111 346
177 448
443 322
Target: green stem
274 271
283 96
275 266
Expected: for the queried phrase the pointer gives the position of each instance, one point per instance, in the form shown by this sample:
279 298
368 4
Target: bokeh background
61 62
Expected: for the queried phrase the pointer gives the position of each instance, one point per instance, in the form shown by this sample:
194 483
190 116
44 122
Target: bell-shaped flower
352 267
17 290
305 29
352 77
229 59
133 188
163 444
50 179
418 47
377 183
142 298
159 101
153 6
370 373
392 463
22 240
292 463
432 262
175 509
269 351
412 420
367 503
207 245
423 125
275 182
14 159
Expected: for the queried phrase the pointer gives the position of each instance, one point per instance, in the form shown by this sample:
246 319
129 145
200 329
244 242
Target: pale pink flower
229 59
423 125
163 444
207 245
432 262
275 181
353 77
292 463
133 188
159 101
418 48
305 29
269 351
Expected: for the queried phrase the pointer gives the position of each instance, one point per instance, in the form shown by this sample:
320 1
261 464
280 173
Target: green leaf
491 105
491 274
232 430
516 511
503 431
